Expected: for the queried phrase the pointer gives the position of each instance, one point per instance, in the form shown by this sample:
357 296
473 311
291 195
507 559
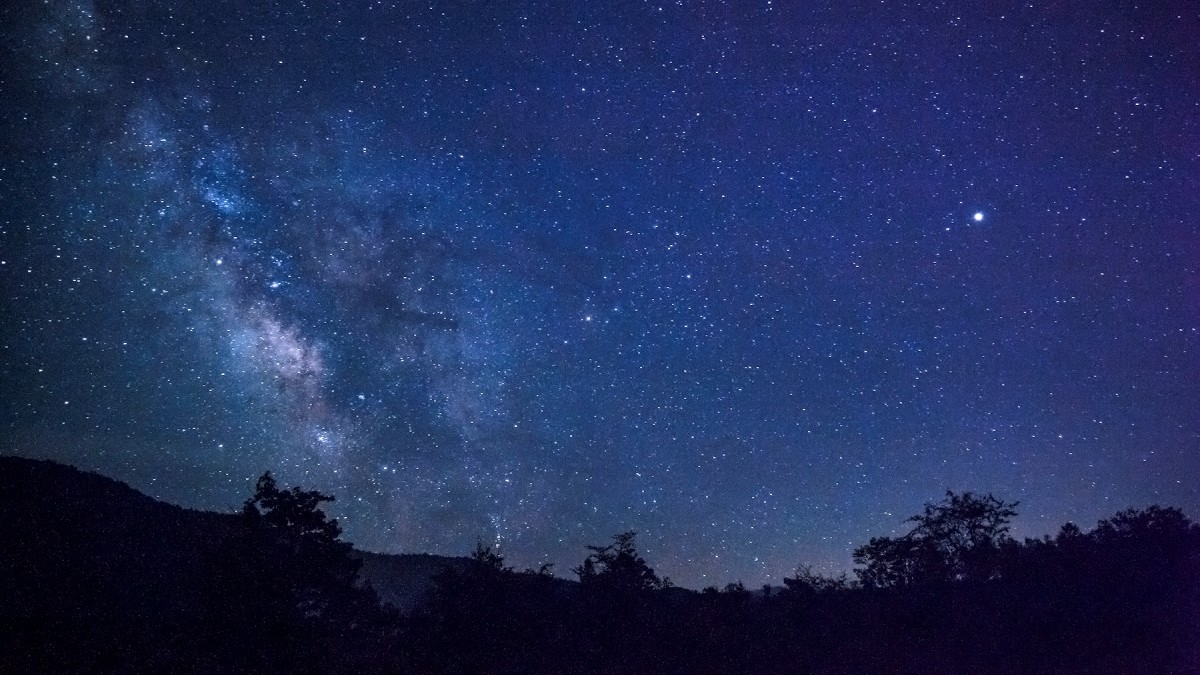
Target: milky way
753 279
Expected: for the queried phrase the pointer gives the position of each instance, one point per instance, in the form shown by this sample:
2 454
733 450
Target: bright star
978 216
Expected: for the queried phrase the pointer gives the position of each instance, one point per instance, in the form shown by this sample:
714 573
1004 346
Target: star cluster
754 279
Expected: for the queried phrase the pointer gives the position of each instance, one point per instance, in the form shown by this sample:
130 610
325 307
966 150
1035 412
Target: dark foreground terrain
96 577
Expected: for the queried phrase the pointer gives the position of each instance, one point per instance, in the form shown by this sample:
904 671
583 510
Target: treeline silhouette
276 590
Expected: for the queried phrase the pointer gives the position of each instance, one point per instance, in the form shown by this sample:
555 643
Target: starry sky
755 279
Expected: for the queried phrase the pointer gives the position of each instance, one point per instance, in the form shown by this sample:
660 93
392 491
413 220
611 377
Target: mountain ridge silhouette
107 538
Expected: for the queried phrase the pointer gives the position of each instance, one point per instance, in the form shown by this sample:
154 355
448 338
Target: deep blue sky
755 279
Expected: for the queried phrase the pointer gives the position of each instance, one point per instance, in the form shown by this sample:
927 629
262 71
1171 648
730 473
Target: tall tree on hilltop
285 591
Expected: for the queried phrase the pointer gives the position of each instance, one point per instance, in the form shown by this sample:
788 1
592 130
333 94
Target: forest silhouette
96 579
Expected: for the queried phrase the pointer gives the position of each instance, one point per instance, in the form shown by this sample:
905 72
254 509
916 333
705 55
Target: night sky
755 279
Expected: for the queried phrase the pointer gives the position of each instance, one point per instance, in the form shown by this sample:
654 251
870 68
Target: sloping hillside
80 544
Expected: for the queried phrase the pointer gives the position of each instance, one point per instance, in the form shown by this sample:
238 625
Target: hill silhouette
78 539
97 577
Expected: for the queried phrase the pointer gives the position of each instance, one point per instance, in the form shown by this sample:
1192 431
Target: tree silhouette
888 562
285 590
294 511
807 583
1154 522
484 560
957 539
619 567
319 576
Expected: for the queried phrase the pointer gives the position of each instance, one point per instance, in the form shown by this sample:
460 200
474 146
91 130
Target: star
978 217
